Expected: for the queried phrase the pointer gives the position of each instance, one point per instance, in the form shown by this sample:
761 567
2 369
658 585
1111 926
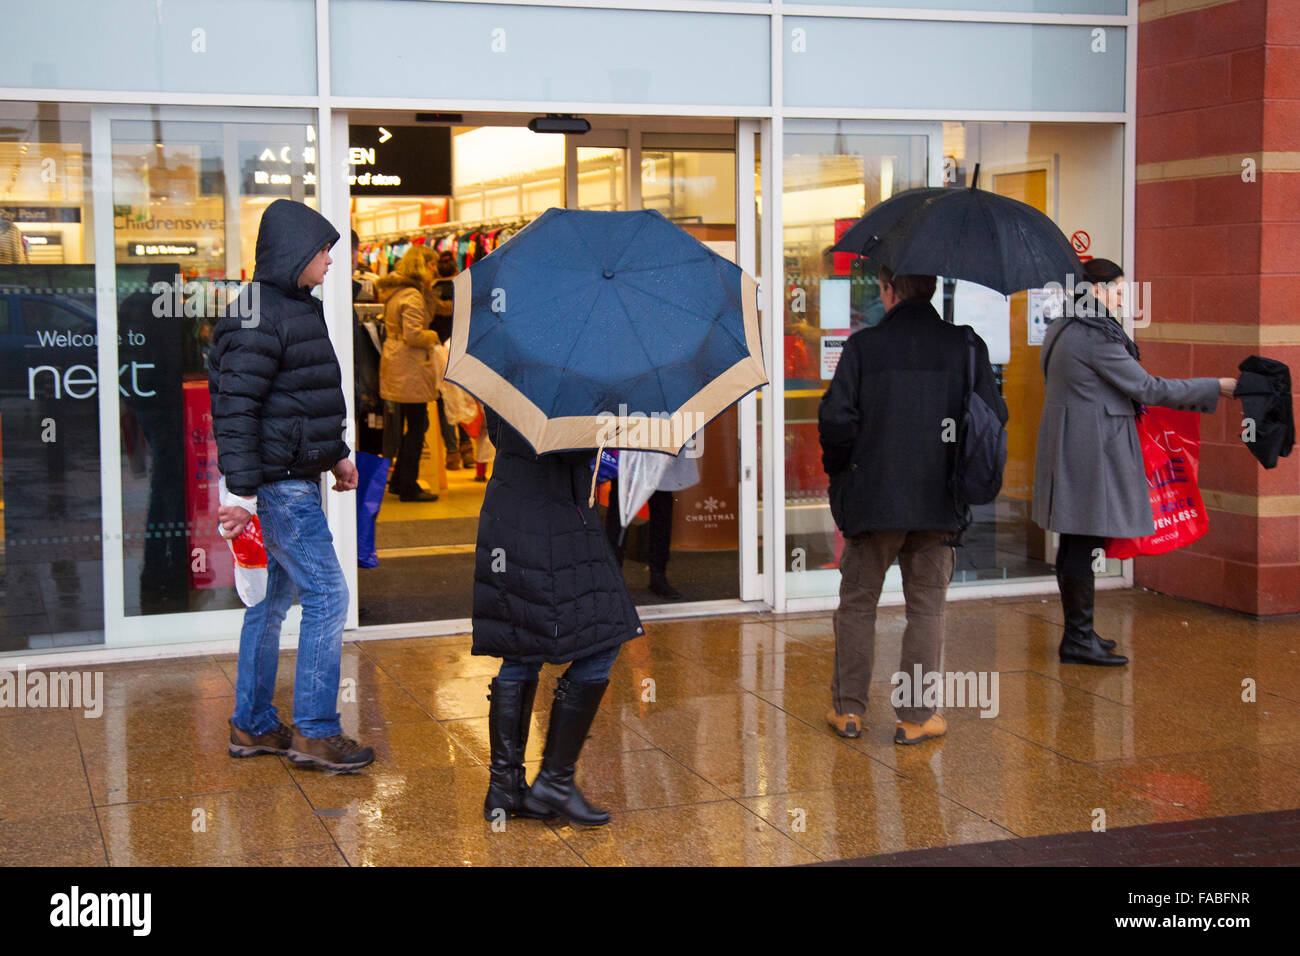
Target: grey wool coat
1089 476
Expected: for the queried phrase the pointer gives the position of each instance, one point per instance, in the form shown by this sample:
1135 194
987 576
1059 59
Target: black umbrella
971 234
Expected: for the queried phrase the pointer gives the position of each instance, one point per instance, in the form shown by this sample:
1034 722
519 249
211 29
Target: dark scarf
1089 311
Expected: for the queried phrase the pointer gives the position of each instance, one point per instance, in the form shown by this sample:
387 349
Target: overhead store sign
162 248
41 213
399 160
278 168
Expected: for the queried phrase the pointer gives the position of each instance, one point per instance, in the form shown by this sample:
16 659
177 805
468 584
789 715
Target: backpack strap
970 359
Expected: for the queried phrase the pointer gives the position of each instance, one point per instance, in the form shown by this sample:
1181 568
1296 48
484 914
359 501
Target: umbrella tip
975 179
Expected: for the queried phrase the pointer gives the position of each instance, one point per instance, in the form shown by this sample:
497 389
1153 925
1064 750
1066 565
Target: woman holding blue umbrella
577 319
546 590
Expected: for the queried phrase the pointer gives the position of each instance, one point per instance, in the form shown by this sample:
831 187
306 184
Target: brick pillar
1218 239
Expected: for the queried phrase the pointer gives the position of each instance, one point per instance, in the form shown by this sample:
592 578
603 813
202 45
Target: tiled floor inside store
711 748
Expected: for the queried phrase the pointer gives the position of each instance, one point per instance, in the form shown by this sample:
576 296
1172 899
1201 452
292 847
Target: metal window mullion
774 419
110 429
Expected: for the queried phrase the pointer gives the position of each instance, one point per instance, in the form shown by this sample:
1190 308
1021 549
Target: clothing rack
444 228
469 240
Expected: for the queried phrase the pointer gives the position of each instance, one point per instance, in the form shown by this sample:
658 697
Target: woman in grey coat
1089 477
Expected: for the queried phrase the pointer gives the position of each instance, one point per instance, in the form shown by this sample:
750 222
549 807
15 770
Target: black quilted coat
546 586
277 397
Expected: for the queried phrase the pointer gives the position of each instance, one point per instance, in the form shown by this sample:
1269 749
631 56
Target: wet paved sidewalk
730 763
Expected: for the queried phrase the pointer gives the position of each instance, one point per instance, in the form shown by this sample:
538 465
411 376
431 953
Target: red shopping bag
475 424
1171 451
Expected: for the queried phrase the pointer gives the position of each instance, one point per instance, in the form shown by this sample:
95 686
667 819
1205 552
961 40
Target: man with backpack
892 426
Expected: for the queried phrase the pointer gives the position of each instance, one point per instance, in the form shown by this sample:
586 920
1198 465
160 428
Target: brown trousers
927 564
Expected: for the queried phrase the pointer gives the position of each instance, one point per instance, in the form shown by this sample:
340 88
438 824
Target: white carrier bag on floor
248 551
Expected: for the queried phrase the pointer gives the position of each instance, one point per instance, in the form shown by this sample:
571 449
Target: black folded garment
1265 392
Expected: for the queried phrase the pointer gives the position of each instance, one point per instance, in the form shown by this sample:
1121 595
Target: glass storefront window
187 201
833 175
690 185
52 564
602 183
1074 174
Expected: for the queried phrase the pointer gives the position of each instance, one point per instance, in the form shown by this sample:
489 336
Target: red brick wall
1214 86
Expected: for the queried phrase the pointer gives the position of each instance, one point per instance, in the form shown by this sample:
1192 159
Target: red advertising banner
217 570
843 261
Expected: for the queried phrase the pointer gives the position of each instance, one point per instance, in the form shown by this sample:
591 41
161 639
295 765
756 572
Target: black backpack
981 444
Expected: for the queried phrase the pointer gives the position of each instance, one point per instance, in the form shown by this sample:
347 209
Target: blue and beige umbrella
606 329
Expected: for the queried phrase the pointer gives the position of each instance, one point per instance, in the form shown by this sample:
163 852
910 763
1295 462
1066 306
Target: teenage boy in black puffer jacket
278 415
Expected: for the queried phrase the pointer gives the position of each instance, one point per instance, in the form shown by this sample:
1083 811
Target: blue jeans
594 668
299 554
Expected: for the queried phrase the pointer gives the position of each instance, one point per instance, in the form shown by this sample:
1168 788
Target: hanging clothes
1265 392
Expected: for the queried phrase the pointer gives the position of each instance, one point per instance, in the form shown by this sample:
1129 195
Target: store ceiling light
555 123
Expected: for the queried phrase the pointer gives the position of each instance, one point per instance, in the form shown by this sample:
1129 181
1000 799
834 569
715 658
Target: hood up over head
289 236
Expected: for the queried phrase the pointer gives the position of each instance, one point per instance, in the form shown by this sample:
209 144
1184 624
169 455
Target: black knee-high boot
508 719
1080 643
1062 584
555 790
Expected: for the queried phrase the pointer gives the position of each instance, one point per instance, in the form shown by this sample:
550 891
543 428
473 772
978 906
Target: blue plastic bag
608 470
372 479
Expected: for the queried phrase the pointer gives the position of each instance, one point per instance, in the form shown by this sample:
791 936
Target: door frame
774 529
184 626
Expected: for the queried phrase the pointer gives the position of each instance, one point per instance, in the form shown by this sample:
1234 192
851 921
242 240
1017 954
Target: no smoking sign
1081 242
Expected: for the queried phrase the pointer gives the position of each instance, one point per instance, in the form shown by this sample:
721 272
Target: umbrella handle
591 499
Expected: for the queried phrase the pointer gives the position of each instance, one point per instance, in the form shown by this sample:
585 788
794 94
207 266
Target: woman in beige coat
408 373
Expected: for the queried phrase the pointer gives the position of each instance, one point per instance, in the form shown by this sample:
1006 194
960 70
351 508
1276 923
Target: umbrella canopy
971 234
592 328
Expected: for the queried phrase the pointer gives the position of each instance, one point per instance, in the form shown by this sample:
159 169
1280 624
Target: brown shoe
846 725
909 733
244 744
339 754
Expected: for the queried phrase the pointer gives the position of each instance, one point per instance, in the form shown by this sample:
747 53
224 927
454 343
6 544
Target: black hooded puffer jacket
546 585
276 387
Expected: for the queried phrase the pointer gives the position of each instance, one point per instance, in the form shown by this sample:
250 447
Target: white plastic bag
247 549
459 404
639 474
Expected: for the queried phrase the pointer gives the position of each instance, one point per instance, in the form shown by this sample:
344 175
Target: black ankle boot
508 719
659 585
555 791
1080 643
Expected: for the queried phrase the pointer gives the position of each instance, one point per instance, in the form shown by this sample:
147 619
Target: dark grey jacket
276 387
1089 477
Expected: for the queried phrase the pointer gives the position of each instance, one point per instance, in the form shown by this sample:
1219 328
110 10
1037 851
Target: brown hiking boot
338 754
244 744
846 725
910 733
